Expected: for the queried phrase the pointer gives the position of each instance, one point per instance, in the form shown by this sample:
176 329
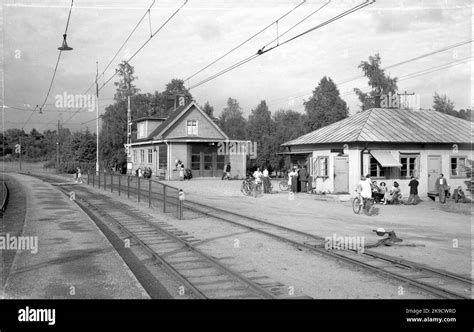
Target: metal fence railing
157 194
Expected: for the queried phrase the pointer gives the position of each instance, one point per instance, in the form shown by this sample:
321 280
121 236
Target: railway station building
188 134
390 145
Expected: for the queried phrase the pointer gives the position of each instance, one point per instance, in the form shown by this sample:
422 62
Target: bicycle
247 187
367 205
284 185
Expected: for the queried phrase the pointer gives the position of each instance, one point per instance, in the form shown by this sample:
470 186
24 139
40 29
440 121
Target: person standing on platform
294 179
266 181
304 179
181 172
226 173
79 175
258 181
413 198
441 186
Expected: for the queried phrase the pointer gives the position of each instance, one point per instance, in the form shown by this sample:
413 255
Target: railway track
440 283
200 274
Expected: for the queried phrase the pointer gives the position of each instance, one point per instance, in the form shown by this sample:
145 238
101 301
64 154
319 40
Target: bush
50 164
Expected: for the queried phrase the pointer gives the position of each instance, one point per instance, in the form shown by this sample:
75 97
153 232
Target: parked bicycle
284 185
247 186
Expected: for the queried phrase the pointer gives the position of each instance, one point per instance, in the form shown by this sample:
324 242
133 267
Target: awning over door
385 158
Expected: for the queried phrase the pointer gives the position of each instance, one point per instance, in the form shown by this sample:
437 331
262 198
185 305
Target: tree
325 106
114 121
443 104
466 114
288 126
380 82
260 128
125 87
208 109
172 90
232 121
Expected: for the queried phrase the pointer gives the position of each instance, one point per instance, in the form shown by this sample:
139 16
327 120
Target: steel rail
258 290
438 291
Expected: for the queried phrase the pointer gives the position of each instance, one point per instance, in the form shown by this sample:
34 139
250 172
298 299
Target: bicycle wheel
369 207
283 185
356 205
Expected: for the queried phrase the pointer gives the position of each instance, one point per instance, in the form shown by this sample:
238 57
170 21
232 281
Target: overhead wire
135 53
54 72
245 41
262 51
347 80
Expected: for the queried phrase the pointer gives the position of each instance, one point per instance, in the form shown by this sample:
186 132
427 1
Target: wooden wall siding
206 129
392 125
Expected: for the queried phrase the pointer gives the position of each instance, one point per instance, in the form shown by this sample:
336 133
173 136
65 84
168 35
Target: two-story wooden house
187 134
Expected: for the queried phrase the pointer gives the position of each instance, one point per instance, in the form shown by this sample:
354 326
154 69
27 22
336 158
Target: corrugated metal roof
392 125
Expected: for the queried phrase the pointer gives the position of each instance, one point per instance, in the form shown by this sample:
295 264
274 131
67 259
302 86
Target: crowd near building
389 145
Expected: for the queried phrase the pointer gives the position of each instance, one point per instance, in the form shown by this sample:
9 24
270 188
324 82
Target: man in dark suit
304 179
441 187
413 198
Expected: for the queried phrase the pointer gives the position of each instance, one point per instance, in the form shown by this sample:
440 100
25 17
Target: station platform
71 259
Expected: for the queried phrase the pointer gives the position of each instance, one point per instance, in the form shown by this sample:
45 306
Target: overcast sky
204 30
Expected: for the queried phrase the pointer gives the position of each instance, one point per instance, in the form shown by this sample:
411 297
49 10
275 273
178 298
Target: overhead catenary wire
262 51
54 72
356 77
245 41
146 42
135 53
420 73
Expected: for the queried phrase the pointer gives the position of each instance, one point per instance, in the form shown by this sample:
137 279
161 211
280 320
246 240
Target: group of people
443 190
381 193
262 178
300 176
184 173
146 172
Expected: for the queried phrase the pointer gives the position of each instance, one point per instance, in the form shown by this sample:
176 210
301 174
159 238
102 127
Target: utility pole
405 102
19 154
129 136
57 151
97 109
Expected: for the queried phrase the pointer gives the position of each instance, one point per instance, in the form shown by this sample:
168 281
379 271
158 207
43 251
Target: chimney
377 101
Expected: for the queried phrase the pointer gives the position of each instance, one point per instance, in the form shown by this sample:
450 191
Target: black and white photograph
267 159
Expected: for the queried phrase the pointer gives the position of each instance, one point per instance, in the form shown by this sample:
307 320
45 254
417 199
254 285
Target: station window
458 166
192 127
376 170
322 167
220 162
163 157
134 156
410 165
196 162
142 156
150 156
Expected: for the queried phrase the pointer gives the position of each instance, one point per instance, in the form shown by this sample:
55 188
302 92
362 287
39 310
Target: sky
202 31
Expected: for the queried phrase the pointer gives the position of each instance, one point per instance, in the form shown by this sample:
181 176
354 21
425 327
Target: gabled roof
392 125
174 117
